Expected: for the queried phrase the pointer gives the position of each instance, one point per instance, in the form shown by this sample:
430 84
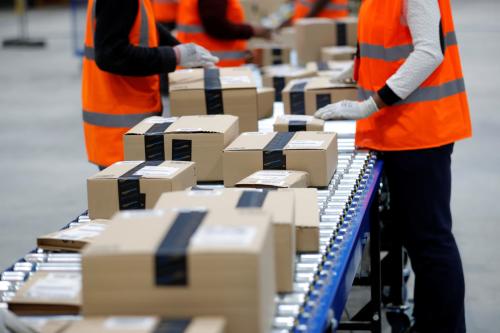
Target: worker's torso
437 113
190 30
333 9
114 103
165 10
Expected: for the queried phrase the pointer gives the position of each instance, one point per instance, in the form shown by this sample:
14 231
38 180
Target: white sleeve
423 17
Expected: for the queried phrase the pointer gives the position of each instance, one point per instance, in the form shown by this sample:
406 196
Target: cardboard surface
295 123
266 54
71 239
265 97
331 69
306 219
275 179
278 76
338 53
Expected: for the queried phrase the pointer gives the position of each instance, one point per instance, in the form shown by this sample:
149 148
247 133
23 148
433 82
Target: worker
124 53
218 25
414 107
166 12
321 8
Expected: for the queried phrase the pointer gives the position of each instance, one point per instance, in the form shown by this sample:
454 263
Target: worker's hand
192 55
347 110
262 32
346 75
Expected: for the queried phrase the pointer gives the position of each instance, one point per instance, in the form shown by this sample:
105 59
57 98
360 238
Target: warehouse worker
414 109
166 12
124 53
217 25
321 8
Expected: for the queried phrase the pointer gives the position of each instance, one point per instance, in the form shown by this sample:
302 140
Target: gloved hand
347 110
192 55
262 32
345 75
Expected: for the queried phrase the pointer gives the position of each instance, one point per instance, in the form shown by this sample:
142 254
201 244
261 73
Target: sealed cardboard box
279 205
337 53
275 179
137 324
265 97
306 219
331 69
267 54
71 239
49 293
312 152
184 263
230 90
280 75
135 185
298 123
306 96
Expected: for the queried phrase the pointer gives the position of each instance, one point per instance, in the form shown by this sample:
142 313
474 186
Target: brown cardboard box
265 96
337 53
297 123
230 90
306 96
135 185
331 69
312 152
275 179
71 239
279 205
306 219
285 36
146 325
279 76
49 293
267 54
182 264
312 34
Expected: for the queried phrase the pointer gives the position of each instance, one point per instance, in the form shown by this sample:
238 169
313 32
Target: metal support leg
375 274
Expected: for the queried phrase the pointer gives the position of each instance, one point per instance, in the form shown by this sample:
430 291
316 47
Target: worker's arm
114 53
166 38
318 6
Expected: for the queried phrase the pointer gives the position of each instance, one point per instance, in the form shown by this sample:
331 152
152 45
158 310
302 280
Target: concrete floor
44 165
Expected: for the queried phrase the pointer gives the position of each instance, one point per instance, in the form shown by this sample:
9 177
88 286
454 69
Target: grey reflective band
89 53
192 28
425 94
144 28
329 6
229 55
397 52
115 120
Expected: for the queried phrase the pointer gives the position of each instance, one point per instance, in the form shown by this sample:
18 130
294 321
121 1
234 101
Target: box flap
193 79
165 170
311 141
147 123
251 141
116 170
203 124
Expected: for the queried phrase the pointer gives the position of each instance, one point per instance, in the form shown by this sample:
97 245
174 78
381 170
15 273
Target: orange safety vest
437 113
165 10
112 104
190 30
333 9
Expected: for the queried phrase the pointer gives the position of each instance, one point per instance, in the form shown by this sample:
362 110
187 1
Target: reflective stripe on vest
329 5
115 120
190 29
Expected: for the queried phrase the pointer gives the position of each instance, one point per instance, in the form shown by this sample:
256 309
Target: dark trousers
420 191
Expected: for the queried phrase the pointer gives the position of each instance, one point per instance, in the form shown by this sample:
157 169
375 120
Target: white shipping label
223 235
190 130
156 171
85 232
130 323
271 174
228 80
60 286
160 120
298 117
304 144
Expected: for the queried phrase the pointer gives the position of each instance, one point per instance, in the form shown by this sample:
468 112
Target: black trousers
420 191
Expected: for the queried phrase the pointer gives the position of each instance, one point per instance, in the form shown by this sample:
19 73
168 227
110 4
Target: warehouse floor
44 164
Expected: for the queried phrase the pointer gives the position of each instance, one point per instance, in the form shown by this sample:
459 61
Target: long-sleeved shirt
113 51
216 24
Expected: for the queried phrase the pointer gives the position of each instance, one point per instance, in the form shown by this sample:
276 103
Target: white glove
345 75
10 323
192 55
347 110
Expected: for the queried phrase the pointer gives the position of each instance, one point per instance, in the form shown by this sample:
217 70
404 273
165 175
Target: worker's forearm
166 38
318 6
216 24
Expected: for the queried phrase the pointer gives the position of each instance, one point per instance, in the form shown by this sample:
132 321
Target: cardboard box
280 75
146 325
331 69
279 205
275 179
184 263
49 293
306 219
337 53
230 90
265 97
298 123
285 36
312 34
306 96
267 54
71 239
312 152
135 185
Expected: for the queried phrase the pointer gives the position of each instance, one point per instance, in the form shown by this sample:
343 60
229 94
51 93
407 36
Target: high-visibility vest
112 104
437 113
333 9
190 30
165 10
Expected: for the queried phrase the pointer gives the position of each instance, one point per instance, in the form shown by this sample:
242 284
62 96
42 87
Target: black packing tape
278 84
323 100
341 34
252 199
213 91
182 150
129 189
297 125
277 56
171 267
172 326
154 143
322 66
297 98
272 155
